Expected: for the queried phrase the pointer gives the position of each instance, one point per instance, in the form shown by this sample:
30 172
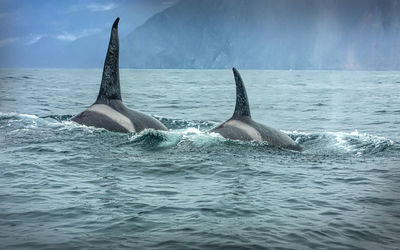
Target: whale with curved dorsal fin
108 111
241 127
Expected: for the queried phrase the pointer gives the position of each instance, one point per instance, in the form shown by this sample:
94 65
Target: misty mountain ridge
285 34
50 52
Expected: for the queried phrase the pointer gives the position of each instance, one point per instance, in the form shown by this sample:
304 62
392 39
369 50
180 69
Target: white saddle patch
113 115
252 132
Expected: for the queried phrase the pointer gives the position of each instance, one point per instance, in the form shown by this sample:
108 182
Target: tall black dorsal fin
242 103
110 88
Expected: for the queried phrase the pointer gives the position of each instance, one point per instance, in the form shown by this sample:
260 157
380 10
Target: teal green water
67 186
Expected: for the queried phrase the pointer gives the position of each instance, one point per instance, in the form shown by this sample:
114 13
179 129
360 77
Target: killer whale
108 111
242 127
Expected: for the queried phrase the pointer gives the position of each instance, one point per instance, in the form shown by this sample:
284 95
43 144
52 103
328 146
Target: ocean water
67 186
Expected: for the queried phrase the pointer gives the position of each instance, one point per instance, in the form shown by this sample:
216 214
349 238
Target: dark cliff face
285 34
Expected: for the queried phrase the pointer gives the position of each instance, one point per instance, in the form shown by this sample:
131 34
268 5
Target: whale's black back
108 111
242 127
110 86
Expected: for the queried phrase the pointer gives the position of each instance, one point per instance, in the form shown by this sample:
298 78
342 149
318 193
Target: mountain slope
285 34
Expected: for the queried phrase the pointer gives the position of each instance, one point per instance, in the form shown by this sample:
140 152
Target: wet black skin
110 95
242 114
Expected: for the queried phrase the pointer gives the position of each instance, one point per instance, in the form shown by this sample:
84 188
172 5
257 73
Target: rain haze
287 34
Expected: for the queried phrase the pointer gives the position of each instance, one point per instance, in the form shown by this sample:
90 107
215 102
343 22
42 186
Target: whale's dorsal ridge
242 108
110 87
108 111
241 127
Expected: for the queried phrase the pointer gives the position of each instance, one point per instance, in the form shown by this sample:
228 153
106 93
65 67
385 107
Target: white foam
19 115
349 142
71 125
192 131
29 116
341 141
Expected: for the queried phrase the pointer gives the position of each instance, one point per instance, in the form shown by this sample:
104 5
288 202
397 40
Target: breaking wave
189 135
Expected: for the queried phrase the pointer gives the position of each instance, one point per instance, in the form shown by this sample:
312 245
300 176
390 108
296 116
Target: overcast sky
26 22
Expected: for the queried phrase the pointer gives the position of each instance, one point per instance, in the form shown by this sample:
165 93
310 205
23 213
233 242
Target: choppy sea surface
67 186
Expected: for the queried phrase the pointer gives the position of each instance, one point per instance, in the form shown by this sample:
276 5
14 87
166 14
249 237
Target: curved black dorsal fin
110 88
242 103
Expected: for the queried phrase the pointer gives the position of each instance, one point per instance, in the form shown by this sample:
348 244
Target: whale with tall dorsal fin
108 111
242 127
